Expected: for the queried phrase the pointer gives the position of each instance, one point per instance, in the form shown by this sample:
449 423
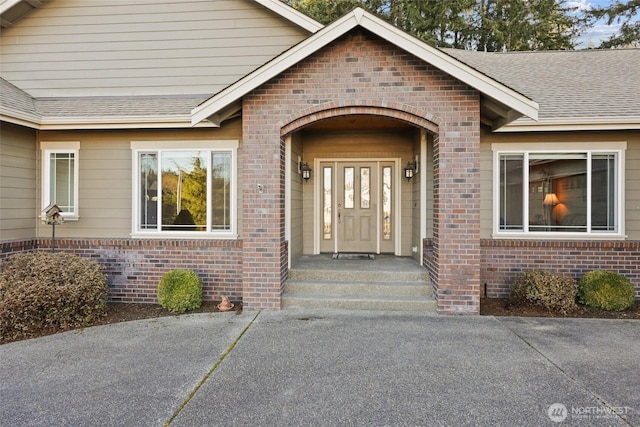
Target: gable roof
508 103
576 90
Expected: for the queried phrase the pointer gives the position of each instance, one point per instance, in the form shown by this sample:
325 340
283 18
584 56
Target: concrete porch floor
388 263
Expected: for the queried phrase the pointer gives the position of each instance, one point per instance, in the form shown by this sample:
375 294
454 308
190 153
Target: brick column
264 247
456 234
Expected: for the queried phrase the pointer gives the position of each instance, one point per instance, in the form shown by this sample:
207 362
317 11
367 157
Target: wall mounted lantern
306 171
410 170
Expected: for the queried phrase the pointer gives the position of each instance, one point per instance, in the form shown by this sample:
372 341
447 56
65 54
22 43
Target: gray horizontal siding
632 188
632 171
18 207
105 176
106 48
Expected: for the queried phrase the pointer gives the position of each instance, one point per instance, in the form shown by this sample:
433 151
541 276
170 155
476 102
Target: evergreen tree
626 13
194 192
491 25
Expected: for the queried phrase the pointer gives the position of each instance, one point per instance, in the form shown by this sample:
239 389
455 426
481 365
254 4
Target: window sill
557 236
184 236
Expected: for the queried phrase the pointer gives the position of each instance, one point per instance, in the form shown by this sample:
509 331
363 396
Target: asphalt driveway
329 368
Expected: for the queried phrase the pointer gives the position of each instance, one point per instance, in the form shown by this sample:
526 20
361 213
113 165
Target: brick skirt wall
13 247
502 260
134 267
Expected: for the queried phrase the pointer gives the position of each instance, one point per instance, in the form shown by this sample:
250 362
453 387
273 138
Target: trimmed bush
180 290
606 290
554 291
49 291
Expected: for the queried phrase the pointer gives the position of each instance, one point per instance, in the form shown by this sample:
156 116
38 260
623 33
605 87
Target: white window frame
590 148
67 147
157 147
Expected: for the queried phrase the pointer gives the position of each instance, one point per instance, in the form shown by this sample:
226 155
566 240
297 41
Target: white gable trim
574 124
452 66
291 14
109 122
7 4
359 17
20 118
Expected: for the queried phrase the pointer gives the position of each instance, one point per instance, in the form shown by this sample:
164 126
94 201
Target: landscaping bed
125 312
501 307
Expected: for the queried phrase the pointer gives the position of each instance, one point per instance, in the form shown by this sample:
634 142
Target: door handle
338 217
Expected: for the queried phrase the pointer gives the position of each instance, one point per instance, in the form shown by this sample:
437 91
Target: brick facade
13 247
502 260
356 72
134 267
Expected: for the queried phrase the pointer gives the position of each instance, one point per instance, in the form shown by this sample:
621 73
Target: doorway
357 206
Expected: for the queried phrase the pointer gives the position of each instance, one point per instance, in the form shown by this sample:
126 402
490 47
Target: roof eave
359 17
453 67
23 8
120 122
619 123
107 122
8 4
20 118
292 15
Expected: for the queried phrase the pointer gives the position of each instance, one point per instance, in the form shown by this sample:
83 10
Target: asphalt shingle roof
567 84
13 98
118 106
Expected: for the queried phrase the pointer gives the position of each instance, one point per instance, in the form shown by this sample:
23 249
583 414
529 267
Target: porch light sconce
410 170
306 171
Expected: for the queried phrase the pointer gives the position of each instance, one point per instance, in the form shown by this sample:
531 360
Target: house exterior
176 135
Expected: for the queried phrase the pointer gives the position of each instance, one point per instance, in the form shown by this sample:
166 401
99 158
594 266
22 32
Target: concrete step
347 302
419 275
359 288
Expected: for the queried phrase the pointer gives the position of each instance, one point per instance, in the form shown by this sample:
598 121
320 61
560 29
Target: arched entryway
357 199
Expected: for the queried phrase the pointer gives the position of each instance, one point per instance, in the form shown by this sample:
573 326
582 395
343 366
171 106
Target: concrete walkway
330 368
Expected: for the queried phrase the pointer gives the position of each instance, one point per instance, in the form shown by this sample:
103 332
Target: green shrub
606 290
554 291
180 290
49 291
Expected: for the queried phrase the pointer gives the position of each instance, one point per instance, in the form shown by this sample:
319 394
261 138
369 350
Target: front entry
357 206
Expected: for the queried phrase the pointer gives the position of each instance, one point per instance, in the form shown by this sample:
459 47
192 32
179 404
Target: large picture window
60 176
568 192
182 191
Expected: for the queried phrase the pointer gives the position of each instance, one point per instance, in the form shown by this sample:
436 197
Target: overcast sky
600 31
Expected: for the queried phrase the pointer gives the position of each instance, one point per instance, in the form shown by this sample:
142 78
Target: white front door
357 207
